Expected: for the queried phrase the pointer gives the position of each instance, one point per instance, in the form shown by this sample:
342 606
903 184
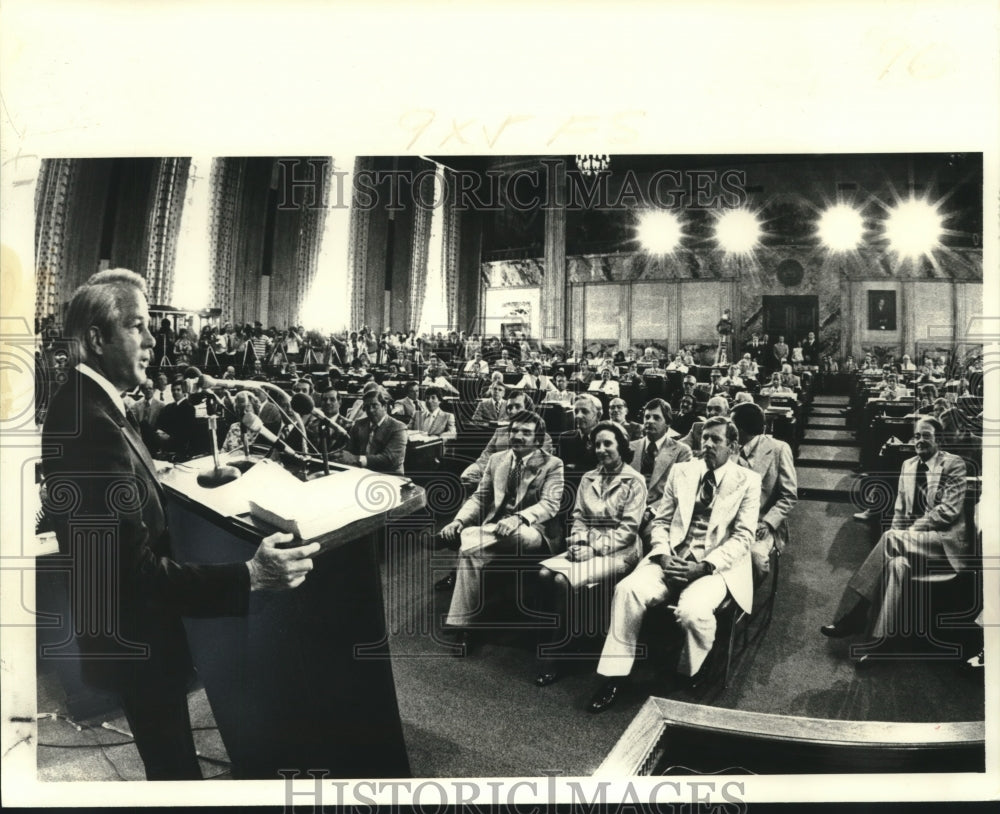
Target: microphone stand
246 463
324 435
218 475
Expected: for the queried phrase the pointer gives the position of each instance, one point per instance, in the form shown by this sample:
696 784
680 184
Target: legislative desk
672 737
304 681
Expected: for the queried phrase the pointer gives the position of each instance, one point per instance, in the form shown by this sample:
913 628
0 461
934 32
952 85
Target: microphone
254 424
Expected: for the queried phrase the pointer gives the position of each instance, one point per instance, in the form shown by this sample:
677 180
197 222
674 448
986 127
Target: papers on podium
268 492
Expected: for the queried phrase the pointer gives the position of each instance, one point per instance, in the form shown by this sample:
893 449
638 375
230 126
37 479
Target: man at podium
109 514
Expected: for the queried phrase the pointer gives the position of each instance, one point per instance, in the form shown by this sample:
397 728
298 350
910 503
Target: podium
304 681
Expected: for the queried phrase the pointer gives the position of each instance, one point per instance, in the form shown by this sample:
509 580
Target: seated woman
244 403
603 544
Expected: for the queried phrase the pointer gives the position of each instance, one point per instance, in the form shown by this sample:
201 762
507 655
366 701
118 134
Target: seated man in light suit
514 511
779 488
517 403
432 419
701 552
493 408
928 528
654 455
377 441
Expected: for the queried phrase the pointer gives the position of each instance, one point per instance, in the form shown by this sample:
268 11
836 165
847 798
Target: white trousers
479 546
644 588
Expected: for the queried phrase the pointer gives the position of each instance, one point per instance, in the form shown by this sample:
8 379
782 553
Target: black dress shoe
605 696
851 623
839 630
544 679
446 583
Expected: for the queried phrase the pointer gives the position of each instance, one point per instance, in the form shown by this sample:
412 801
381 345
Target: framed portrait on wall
881 310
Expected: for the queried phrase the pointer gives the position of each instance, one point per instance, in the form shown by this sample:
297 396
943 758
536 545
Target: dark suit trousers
161 725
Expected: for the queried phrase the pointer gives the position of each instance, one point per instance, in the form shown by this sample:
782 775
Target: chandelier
593 164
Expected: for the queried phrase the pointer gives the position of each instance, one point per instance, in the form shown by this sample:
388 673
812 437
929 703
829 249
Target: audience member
927 535
701 539
603 542
513 512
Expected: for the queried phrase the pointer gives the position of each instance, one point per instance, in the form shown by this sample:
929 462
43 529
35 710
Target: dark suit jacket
668 453
178 421
109 517
576 451
388 448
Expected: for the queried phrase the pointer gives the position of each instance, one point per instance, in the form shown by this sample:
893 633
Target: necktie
707 492
920 495
648 459
513 479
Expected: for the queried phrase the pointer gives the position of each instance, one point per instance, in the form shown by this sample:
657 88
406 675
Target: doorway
791 317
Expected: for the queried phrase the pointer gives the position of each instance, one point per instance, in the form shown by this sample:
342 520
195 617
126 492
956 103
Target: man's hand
450 532
275 568
348 458
508 526
678 568
579 553
763 530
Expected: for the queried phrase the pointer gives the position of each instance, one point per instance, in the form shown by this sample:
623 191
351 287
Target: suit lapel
531 467
500 483
686 487
910 484
130 435
664 455
723 498
933 479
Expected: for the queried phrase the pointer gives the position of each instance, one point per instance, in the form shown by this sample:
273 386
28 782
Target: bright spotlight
841 228
738 231
659 231
914 228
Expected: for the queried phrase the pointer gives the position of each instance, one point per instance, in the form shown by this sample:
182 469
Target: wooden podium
304 681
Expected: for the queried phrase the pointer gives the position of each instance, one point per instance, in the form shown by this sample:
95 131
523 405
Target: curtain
327 304
311 232
423 221
449 259
164 226
53 198
226 190
357 257
191 279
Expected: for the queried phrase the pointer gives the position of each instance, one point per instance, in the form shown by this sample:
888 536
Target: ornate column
552 301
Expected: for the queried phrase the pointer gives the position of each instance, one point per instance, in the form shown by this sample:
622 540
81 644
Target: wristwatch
709 567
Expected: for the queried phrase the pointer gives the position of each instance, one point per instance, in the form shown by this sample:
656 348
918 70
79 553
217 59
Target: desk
423 452
304 681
